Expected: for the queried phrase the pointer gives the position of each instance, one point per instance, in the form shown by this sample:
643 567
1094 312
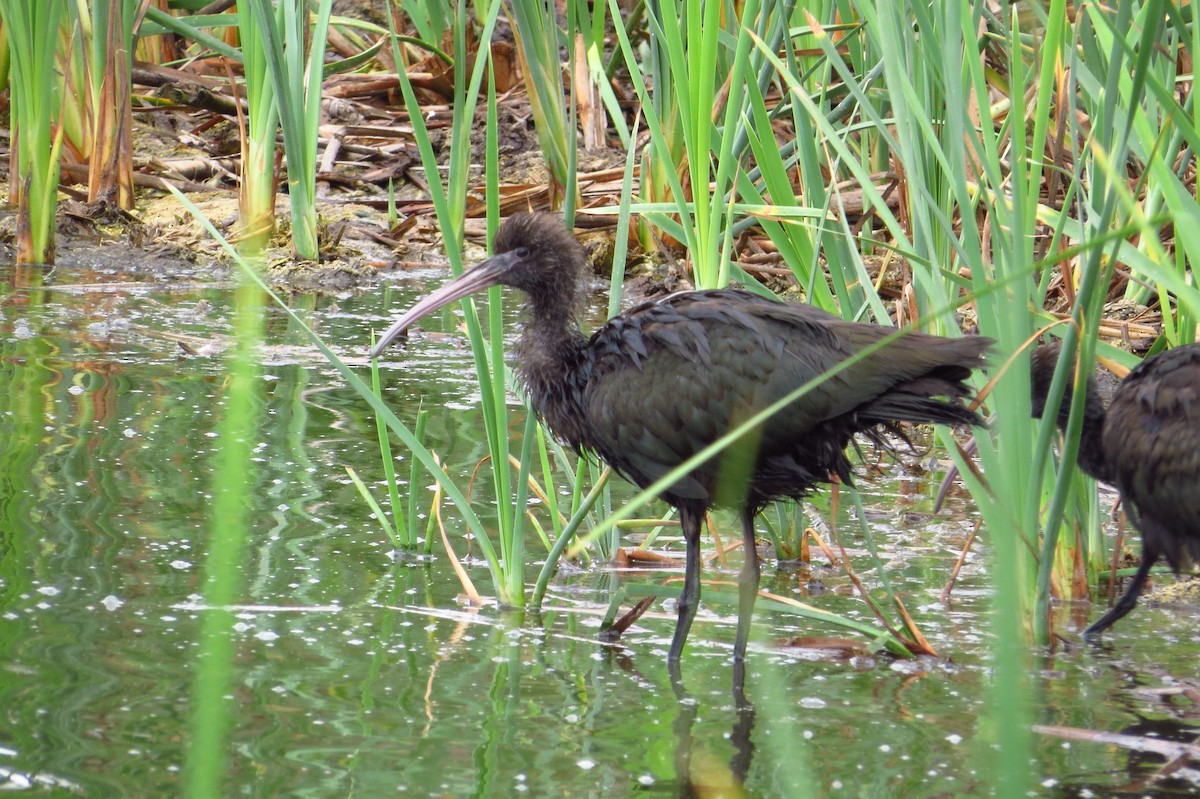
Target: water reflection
1162 759
355 674
705 778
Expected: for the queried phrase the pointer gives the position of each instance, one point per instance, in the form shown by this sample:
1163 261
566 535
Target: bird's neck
551 365
1091 456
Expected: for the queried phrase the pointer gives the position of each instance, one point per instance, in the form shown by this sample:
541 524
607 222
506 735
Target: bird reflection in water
706 780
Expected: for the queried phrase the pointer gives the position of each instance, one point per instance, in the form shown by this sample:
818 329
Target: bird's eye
521 252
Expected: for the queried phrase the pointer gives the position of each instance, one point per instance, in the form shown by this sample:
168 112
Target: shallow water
358 674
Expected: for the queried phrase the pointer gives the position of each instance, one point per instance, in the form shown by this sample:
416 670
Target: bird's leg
747 585
1128 599
689 600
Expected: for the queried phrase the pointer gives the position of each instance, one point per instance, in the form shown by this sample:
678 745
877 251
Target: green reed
32 28
294 56
256 196
402 528
431 18
538 43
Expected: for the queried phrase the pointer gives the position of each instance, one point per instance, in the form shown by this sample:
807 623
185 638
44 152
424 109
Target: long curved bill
486 274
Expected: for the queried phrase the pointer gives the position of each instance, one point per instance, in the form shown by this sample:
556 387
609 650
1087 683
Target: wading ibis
661 381
1147 445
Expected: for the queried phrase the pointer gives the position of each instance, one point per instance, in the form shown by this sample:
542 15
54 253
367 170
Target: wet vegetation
238 556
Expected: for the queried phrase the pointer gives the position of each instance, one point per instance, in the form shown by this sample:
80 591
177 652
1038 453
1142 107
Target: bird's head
537 254
531 252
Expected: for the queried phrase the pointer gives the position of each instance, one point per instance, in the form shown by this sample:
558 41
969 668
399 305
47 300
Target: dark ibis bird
1147 445
658 383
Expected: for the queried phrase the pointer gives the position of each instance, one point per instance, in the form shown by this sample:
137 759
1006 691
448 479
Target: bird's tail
936 395
936 391
920 408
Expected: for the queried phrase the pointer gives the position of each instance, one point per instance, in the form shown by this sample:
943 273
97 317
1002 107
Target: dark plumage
659 382
1147 445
